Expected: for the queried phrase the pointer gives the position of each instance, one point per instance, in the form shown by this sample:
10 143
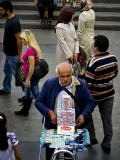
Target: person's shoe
106 150
25 109
42 23
21 99
21 113
94 141
4 93
48 24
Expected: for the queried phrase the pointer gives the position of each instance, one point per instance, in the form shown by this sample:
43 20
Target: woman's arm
17 153
31 60
81 26
62 42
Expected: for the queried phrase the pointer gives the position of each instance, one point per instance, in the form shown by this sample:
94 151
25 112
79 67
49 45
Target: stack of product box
66 117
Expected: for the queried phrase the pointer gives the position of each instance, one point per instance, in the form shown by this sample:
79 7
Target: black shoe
48 24
21 99
106 150
42 23
4 93
21 113
25 109
94 141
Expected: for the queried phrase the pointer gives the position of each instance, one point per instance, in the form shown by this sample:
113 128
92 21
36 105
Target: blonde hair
30 39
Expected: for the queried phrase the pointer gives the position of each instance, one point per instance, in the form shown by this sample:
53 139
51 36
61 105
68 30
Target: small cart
66 147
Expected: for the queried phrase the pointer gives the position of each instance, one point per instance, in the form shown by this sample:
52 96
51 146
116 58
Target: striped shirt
101 70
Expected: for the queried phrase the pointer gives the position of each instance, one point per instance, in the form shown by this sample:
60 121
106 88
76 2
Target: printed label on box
66 130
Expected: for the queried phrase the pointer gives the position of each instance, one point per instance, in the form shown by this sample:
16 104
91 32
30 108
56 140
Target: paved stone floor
28 129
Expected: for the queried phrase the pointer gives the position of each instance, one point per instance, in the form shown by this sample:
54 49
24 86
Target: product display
66 117
65 137
54 140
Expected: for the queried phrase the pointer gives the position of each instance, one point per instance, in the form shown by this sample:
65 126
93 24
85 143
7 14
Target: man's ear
96 49
7 11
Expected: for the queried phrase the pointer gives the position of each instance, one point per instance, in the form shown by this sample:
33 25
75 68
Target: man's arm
53 116
88 104
42 106
43 100
19 46
80 120
40 102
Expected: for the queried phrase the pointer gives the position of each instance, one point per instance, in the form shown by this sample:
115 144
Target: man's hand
80 120
53 116
19 46
71 58
75 56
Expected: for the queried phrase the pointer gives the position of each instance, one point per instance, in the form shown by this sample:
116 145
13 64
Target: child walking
8 142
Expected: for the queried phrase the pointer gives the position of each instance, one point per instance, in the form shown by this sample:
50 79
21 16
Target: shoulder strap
73 97
36 55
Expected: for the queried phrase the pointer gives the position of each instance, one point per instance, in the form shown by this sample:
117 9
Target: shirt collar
102 54
67 87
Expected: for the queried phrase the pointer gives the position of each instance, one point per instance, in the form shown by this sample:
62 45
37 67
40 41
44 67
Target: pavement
28 129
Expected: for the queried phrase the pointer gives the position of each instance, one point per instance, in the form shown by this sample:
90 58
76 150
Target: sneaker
21 99
94 141
4 93
106 149
48 24
42 23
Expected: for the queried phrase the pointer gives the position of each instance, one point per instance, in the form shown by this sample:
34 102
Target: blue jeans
33 90
9 69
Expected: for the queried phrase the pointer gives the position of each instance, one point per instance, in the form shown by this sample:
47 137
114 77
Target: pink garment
29 52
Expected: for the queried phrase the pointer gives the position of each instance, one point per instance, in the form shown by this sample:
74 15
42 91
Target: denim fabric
9 69
33 90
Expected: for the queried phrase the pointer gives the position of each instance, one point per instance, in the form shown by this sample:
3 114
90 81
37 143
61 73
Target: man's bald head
64 67
64 71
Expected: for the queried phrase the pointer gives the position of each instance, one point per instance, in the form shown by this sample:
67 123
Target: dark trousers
105 109
41 8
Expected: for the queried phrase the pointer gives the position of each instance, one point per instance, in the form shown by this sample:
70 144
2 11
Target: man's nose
65 78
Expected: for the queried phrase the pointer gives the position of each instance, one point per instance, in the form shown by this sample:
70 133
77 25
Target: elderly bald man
53 90
50 97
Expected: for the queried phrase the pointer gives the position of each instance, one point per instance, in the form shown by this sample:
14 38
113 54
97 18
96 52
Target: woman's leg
34 88
26 104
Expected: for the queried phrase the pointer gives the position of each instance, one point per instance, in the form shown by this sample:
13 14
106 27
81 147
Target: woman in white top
67 42
8 142
85 31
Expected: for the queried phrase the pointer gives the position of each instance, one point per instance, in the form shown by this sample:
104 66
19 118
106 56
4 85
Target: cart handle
62 151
